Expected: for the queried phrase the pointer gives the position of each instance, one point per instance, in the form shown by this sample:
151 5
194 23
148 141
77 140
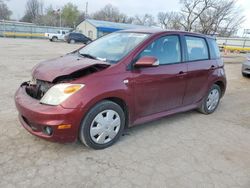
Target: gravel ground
187 150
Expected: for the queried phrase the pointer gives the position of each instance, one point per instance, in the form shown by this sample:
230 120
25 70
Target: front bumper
35 117
246 68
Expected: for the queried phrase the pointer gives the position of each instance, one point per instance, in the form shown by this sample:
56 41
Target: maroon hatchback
121 80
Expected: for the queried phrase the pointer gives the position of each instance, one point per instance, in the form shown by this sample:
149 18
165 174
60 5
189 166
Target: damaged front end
37 88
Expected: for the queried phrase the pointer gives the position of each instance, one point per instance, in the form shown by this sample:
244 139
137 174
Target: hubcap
213 99
105 126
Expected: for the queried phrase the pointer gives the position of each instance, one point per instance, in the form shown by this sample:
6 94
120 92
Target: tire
54 39
245 75
96 131
72 41
205 108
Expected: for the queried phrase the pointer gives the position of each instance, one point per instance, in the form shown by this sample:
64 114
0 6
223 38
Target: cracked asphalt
187 150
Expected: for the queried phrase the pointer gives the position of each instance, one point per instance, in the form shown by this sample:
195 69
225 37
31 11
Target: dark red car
121 80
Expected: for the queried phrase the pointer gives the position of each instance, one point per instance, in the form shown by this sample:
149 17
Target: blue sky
130 7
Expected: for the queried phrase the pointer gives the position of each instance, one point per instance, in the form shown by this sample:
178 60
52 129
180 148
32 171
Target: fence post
3 28
244 43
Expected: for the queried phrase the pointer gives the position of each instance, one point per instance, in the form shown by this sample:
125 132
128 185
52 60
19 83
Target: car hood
247 63
63 66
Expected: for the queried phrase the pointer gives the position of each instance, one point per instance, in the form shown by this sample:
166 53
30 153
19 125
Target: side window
196 48
63 32
166 49
214 49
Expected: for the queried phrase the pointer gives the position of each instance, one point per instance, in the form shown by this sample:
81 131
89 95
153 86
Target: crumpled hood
65 65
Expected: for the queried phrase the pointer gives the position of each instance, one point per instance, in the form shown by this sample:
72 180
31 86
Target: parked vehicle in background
121 80
53 37
74 37
246 67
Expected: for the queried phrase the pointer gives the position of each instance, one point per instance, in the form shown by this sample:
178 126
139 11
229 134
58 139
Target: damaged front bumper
36 117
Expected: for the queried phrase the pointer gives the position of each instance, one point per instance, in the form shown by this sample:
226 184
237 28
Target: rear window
196 48
214 49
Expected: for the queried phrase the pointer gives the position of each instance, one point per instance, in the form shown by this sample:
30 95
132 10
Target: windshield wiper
93 57
88 56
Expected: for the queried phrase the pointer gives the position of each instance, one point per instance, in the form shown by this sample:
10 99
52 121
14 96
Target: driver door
162 88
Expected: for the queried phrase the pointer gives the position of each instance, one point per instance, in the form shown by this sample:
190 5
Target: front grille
38 90
30 124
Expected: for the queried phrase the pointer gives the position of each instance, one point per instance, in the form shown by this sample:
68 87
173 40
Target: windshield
113 47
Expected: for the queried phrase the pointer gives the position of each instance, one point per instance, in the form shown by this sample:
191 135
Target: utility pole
60 13
86 10
60 19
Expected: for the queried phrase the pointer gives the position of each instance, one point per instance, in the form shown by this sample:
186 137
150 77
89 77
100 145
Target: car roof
157 31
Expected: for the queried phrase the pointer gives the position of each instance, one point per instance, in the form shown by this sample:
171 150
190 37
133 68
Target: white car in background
246 67
53 37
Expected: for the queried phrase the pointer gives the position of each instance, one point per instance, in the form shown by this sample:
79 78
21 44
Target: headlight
59 93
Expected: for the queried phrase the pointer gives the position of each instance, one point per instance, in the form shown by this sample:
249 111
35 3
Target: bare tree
170 20
34 9
221 17
110 13
50 18
5 13
191 11
146 19
81 18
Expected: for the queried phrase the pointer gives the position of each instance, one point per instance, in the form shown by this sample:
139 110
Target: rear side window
196 48
214 49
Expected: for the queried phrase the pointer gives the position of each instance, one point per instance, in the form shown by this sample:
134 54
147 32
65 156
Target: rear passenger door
198 65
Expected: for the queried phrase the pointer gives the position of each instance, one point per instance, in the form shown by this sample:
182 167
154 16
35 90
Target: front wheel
72 41
245 75
211 101
103 125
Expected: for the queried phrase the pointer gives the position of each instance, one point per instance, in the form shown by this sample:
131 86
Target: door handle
181 73
212 67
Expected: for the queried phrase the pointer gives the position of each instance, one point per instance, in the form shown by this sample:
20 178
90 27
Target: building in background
97 28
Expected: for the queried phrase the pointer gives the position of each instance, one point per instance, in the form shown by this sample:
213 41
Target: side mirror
147 61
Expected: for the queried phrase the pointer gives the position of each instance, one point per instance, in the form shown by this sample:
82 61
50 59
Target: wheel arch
121 100
222 86
122 104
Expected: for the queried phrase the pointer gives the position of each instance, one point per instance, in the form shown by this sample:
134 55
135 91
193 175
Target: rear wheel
103 125
211 101
72 41
54 39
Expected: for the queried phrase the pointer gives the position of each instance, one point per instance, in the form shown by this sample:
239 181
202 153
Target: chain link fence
29 30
